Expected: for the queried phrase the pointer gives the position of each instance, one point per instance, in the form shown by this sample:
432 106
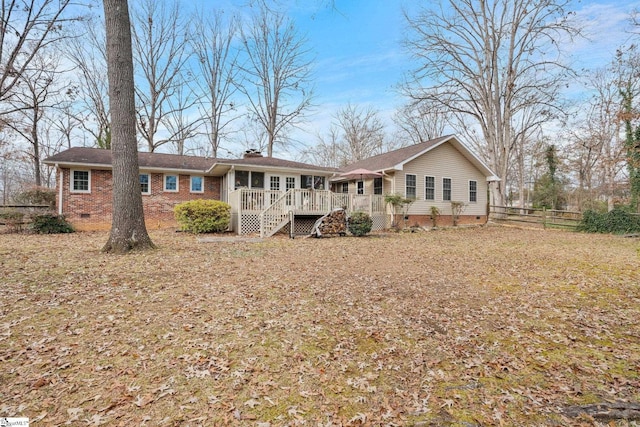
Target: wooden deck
267 211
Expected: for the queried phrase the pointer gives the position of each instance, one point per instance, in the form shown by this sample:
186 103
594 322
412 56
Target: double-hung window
80 181
410 186
171 183
429 188
446 189
473 191
145 183
197 184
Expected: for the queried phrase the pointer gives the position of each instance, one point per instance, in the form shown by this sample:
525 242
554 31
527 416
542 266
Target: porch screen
242 179
315 182
257 179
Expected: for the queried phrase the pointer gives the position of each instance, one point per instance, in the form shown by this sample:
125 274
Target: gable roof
101 158
396 159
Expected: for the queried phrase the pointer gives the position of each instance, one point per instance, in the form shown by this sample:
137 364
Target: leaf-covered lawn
482 326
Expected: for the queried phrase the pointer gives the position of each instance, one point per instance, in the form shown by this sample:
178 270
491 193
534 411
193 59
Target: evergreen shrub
203 216
50 224
360 223
617 221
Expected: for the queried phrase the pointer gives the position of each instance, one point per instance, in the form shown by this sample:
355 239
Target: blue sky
359 58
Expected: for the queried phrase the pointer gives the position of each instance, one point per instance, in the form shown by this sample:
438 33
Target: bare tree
34 94
362 133
358 133
87 54
26 27
128 230
597 147
179 124
495 65
418 121
218 70
325 152
160 39
277 74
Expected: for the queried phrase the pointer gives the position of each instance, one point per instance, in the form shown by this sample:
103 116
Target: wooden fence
538 217
14 217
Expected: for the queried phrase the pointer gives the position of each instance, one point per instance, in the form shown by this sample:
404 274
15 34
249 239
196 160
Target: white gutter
60 184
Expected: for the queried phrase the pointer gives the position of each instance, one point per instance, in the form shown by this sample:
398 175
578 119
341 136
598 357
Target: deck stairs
276 216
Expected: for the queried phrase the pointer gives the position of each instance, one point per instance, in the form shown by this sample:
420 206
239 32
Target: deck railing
265 210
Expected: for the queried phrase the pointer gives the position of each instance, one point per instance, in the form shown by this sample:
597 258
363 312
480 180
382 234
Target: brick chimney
252 152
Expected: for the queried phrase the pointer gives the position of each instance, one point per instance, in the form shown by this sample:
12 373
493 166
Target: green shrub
203 216
617 221
360 223
50 224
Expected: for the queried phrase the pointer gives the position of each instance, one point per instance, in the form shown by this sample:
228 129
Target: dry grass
485 326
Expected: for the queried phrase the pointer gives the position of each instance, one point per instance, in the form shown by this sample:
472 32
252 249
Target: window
377 185
197 184
80 181
429 188
274 183
345 187
446 189
257 179
360 187
315 182
290 182
145 183
171 183
249 179
242 179
473 191
318 182
410 186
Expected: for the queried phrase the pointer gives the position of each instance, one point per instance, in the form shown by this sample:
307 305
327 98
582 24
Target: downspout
60 184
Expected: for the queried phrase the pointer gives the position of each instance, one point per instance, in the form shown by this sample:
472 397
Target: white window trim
405 184
164 182
360 183
71 190
434 187
146 193
450 189
191 190
469 190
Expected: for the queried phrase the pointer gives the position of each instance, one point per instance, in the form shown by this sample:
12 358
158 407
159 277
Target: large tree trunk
128 230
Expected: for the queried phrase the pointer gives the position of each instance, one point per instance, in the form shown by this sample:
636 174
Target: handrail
274 216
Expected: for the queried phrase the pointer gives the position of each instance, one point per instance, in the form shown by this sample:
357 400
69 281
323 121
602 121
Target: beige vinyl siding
444 161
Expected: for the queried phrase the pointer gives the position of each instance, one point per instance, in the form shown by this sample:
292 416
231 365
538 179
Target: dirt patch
481 326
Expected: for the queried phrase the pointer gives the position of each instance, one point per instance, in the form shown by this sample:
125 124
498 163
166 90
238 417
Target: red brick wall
92 211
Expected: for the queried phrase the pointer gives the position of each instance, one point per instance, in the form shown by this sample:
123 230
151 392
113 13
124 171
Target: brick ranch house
269 194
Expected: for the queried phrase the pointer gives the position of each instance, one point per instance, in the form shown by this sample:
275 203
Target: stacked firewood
334 222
